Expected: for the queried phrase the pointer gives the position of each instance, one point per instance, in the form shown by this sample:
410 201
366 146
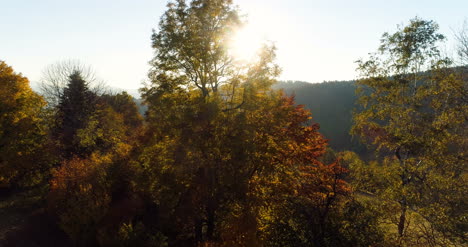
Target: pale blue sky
316 40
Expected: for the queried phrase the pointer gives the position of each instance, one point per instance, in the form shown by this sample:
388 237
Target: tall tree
415 113
56 76
220 141
191 48
76 106
22 129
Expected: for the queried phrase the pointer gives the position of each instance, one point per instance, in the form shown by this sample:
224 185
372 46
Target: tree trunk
402 222
210 223
198 230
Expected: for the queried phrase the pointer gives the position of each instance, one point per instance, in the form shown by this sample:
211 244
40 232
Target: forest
224 154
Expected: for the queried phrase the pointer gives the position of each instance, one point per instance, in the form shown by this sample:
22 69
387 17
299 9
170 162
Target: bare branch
55 77
461 37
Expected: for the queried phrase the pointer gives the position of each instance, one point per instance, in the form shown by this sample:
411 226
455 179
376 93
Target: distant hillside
331 104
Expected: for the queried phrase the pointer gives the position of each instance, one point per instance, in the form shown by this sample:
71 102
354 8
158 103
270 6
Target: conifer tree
76 106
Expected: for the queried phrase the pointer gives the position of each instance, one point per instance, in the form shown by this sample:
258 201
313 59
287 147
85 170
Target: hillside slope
331 104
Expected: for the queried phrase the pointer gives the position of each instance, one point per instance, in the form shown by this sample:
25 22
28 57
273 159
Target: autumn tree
95 174
124 104
220 144
22 130
415 114
196 89
79 197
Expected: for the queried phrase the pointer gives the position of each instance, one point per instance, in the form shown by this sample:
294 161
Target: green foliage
358 224
104 130
349 223
414 107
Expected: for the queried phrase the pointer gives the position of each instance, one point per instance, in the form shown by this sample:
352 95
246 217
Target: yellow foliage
21 128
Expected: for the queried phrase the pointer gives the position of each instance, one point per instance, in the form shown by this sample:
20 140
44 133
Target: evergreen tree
76 106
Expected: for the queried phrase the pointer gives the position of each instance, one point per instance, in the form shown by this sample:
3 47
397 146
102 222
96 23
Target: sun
246 43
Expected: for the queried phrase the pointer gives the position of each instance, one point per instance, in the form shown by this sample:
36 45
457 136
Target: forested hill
331 104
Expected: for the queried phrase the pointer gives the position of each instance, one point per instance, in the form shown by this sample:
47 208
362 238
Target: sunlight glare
246 42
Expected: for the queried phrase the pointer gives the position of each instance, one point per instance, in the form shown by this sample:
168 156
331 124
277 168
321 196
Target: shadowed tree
75 107
220 143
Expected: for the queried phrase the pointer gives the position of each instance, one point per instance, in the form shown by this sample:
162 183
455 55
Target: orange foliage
79 196
322 184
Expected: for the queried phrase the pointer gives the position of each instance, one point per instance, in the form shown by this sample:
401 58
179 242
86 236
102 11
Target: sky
316 40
